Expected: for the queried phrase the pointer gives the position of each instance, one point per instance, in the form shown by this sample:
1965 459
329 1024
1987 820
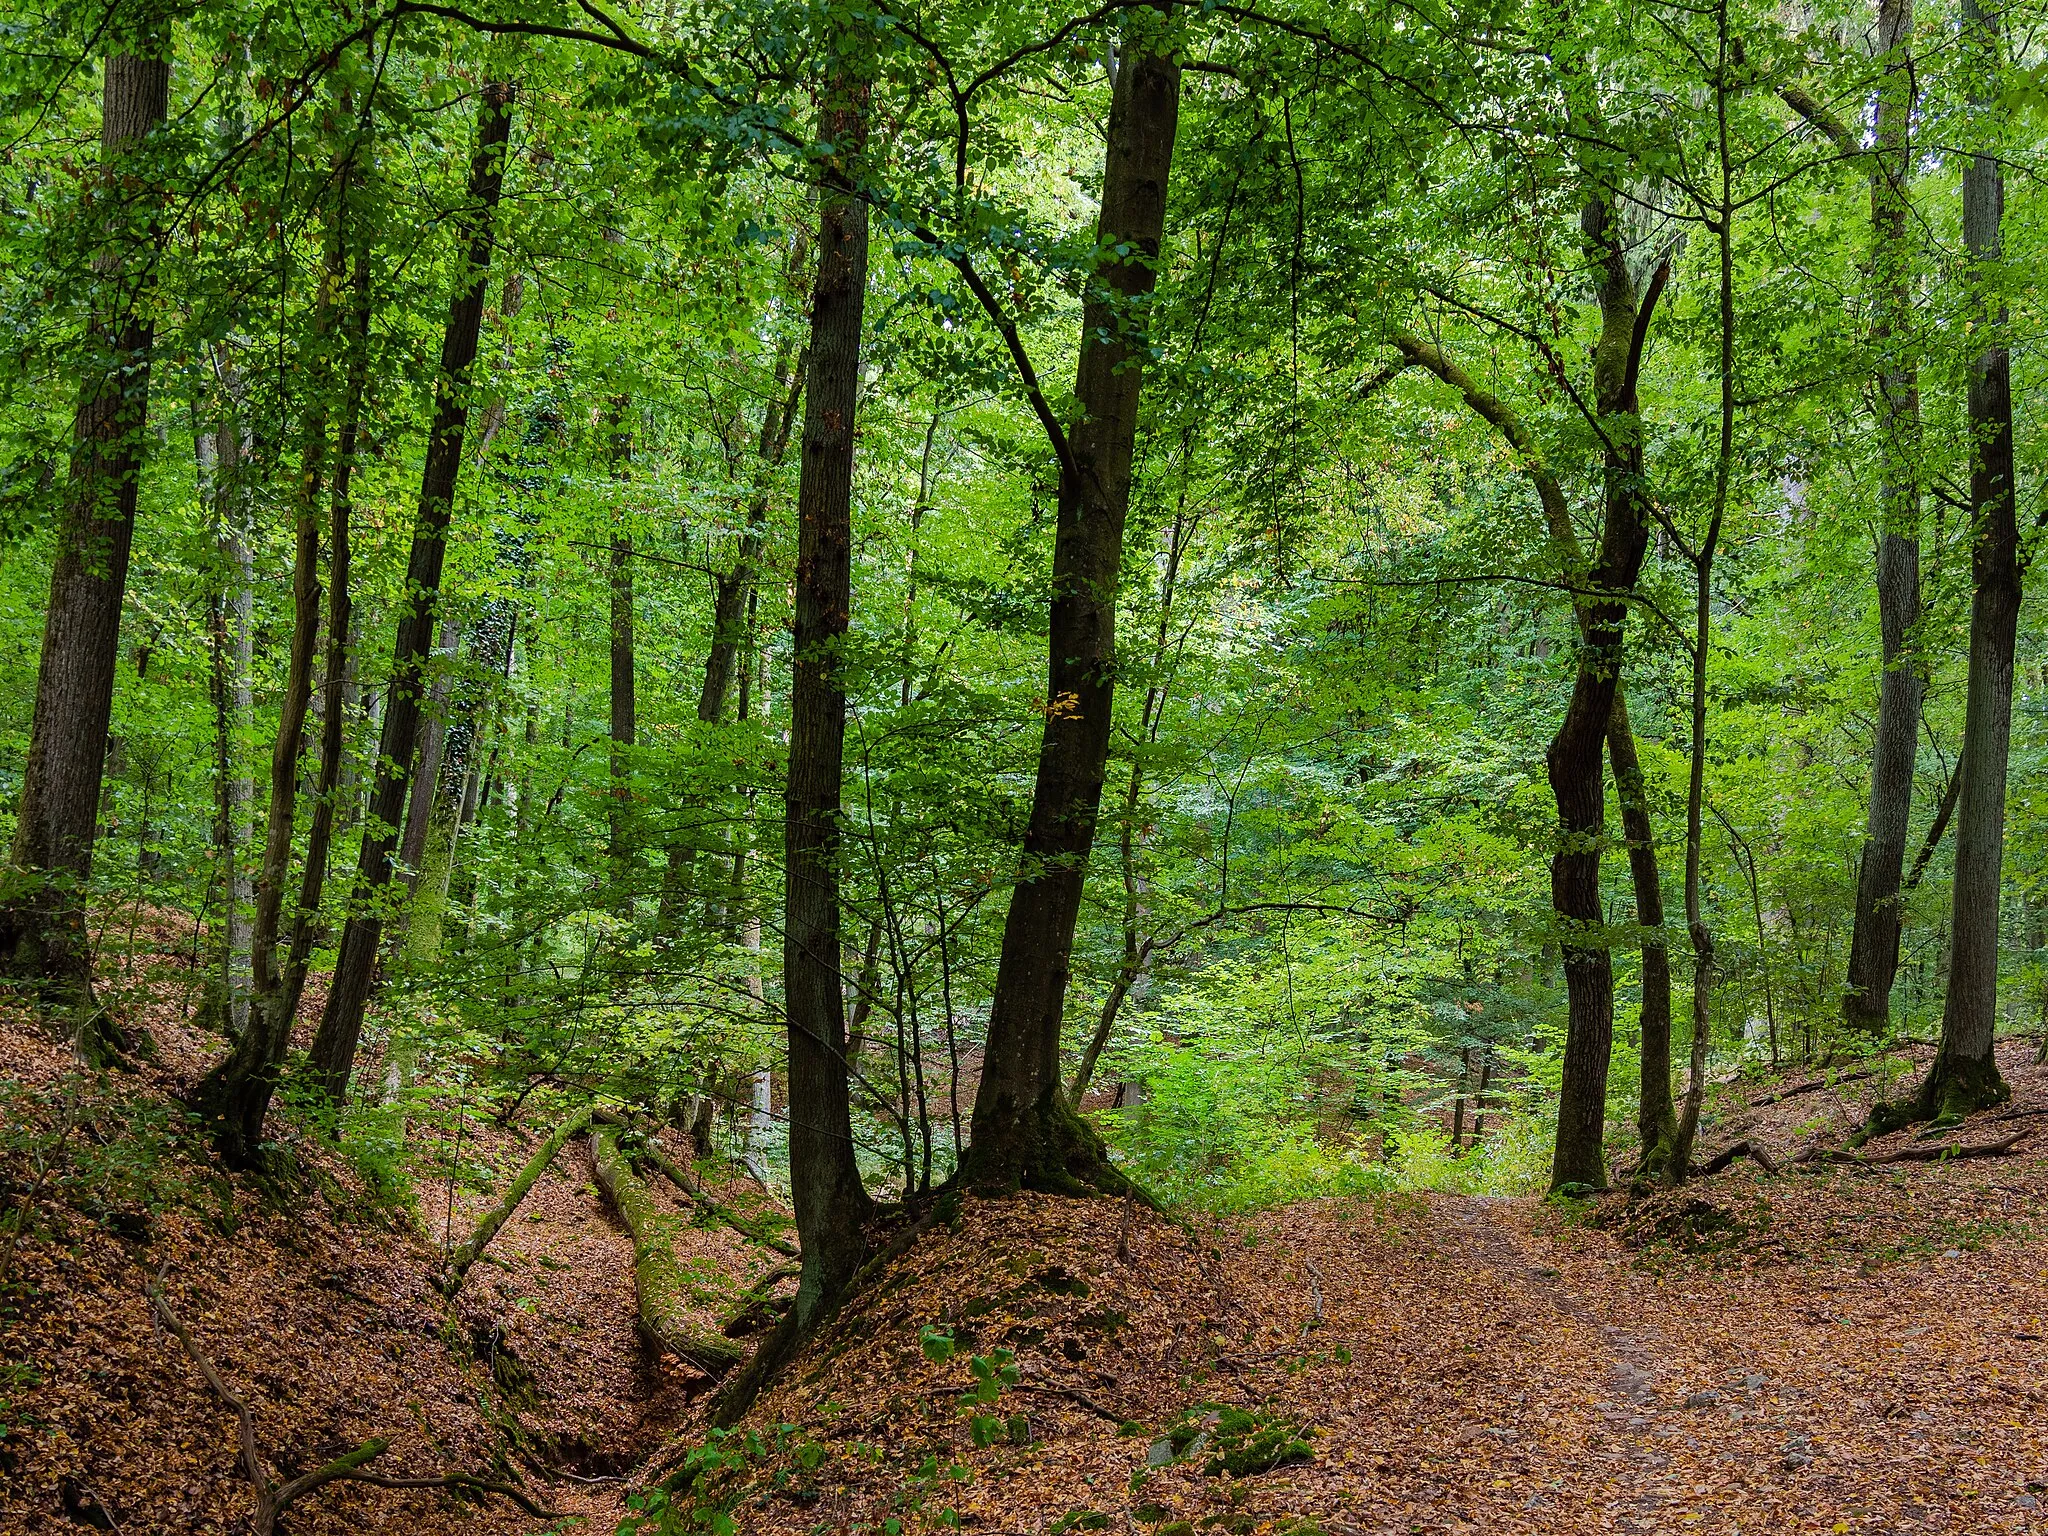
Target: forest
885 765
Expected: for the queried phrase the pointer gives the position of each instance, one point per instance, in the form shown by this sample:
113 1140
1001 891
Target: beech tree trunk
1964 1075
1024 1130
1874 943
831 1203
43 928
1657 1116
341 1024
1574 758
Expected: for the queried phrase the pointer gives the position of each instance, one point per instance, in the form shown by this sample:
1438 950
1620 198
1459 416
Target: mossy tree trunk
665 1292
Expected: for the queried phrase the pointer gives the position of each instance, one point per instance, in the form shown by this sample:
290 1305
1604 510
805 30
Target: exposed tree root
1915 1154
273 1499
499 1214
1953 1090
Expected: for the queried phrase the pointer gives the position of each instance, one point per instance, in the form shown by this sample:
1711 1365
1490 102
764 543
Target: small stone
1794 1460
1952 1253
1703 1399
1752 1382
1159 1453
2028 1501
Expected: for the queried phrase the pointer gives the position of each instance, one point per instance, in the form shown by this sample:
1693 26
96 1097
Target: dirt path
1511 1374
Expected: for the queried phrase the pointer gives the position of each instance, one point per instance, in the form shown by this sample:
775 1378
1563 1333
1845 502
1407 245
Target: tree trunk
1574 758
1874 944
341 1024
624 724
732 611
831 1203
43 929
433 746
666 1294
1656 1118
1964 1075
339 683
1024 1131
236 1094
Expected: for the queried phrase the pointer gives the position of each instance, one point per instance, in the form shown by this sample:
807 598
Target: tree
43 919
1024 1131
1964 1075
341 1022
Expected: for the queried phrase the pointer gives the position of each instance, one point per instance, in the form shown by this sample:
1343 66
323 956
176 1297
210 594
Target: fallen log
682 1178
1722 1159
664 1291
499 1214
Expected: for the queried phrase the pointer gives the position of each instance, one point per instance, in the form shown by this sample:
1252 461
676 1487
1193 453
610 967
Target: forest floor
1854 1349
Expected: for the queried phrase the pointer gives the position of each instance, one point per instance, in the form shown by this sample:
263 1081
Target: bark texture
1657 1116
1574 758
1024 1130
341 1024
42 924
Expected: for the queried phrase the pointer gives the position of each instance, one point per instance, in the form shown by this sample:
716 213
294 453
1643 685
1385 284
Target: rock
1159 1453
1703 1399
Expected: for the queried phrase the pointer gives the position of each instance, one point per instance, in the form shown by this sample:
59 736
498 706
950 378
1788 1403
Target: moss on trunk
666 1293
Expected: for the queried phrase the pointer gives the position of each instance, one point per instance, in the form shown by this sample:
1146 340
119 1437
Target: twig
1073 1394
1813 1087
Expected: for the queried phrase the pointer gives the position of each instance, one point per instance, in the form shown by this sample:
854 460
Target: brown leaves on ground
1849 1350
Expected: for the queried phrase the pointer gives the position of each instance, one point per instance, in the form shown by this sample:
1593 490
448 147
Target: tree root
1952 1090
1914 1154
273 1499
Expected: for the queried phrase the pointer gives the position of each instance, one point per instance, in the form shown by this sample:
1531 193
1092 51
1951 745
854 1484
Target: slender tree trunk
341 1024
1574 758
339 683
732 608
433 746
1024 1131
831 1204
236 1094
43 929
1656 1117
624 724
1965 1075
1874 944
825 1185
